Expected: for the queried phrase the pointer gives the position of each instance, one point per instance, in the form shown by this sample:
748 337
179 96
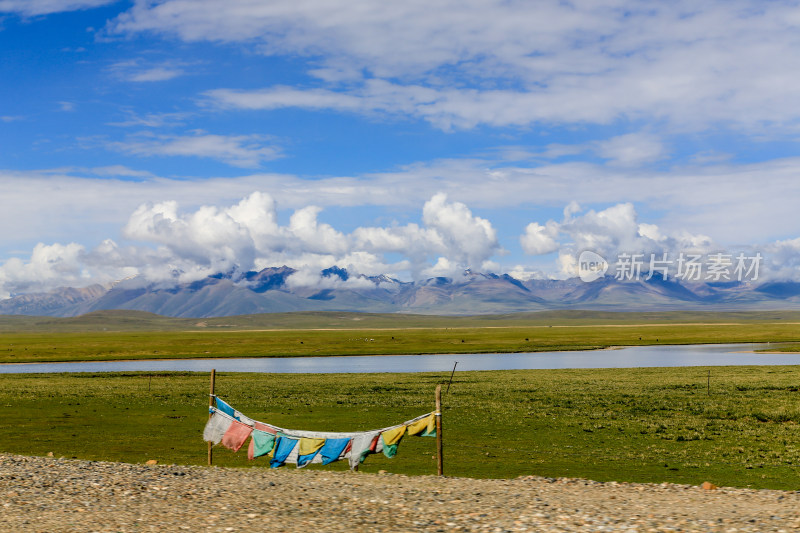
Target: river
630 357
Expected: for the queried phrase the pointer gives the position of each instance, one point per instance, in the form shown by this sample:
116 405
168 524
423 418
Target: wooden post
439 457
211 404
451 376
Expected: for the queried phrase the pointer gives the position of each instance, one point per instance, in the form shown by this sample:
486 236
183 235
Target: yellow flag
423 424
393 436
308 446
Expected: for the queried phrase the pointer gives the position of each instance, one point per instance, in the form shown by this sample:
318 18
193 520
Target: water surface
630 357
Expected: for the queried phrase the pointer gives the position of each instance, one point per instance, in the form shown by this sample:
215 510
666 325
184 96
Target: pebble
45 494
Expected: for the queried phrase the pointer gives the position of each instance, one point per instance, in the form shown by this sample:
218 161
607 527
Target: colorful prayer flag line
231 428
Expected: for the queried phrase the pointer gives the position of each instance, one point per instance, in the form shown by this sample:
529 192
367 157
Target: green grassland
119 320
784 348
645 425
128 336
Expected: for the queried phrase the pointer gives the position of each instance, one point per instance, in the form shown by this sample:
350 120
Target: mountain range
267 291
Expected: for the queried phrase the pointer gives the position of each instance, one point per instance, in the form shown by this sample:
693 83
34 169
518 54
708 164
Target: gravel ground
51 495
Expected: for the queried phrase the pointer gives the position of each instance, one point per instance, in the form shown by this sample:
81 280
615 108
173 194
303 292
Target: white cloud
617 230
313 236
442 268
446 109
459 64
156 74
632 149
210 238
120 171
280 97
135 70
152 120
628 150
711 156
77 203
571 209
109 171
44 7
246 151
468 239
524 273
182 246
258 213
567 263
48 266
308 278
782 260
650 231
185 246
555 150
538 239
610 230
452 235
609 233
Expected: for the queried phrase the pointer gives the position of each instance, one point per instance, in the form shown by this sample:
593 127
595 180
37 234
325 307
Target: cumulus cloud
782 260
313 236
451 234
178 246
172 245
613 229
538 239
49 265
467 239
611 233
246 151
210 237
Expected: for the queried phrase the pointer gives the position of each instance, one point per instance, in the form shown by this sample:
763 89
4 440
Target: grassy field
480 335
133 321
784 348
649 425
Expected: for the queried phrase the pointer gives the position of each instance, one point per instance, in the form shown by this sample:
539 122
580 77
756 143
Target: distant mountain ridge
267 291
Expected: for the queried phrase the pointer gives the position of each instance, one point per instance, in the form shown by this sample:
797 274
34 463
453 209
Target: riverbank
55 495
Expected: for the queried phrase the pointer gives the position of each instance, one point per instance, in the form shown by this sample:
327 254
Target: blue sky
169 139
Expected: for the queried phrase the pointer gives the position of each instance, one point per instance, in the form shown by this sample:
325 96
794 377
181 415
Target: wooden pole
211 404
439 456
451 377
